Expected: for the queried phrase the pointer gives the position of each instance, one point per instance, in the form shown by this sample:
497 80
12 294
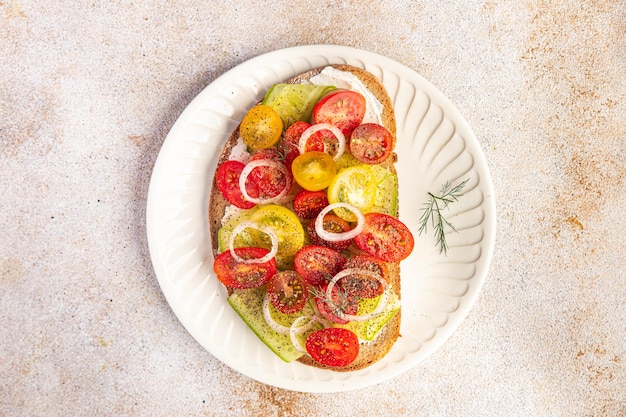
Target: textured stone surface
88 92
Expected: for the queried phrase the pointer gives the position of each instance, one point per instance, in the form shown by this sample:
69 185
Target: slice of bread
369 352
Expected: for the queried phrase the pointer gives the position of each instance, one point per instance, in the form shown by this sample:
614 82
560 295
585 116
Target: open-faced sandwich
304 219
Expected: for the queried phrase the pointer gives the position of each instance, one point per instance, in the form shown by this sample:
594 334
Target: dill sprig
432 212
338 304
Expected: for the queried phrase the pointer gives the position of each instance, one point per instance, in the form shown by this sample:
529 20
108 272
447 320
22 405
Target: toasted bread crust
369 352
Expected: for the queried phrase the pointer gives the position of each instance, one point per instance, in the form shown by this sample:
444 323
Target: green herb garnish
338 304
432 212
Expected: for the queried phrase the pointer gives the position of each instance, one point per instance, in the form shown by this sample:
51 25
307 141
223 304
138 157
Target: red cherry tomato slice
364 286
371 143
385 238
318 264
340 302
342 108
333 346
308 204
334 224
271 181
241 275
291 141
288 292
227 180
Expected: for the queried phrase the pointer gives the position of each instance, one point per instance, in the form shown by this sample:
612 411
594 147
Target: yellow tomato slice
355 185
288 230
314 170
261 127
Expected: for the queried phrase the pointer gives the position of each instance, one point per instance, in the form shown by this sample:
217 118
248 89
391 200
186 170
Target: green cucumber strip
294 102
386 200
346 161
248 304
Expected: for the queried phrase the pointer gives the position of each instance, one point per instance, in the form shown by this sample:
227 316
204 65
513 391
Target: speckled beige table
88 92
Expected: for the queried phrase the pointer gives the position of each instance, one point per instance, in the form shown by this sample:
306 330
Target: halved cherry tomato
355 185
261 127
289 143
241 275
314 170
323 141
288 230
371 143
364 286
291 140
340 302
288 292
227 180
334 224
318 264
293 134
308 204
333 346
342 108
385 237
271 181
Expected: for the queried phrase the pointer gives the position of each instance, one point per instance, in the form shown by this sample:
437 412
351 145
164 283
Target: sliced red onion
258 226
338 237
263 163
323 126
267 315
296 329
382 303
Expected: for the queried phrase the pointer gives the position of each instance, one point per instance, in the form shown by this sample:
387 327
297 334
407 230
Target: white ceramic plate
435 145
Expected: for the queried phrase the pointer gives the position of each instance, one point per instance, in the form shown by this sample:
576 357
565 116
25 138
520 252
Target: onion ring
323 126
262 228
263 163
382 303
295 329
267 315
339 237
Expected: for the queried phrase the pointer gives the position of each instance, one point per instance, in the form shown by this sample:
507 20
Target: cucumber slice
249 306
368 330
294 102
386 200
